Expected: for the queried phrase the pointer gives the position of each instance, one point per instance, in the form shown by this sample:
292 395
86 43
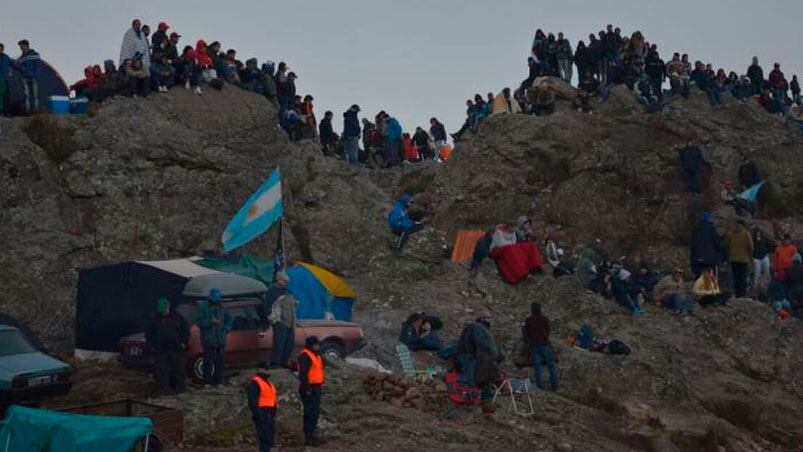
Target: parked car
26 374
249 340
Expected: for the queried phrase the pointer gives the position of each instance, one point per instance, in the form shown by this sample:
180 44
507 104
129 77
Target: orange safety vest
267 393
315 375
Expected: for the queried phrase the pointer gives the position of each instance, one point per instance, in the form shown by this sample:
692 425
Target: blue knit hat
214 295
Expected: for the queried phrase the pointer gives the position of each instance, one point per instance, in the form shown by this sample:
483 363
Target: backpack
616 347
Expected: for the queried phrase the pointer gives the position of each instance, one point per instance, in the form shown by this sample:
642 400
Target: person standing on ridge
214 321
706 246
351 134
135 41
740 255
263 403
30 65
283 322
756 76
311 377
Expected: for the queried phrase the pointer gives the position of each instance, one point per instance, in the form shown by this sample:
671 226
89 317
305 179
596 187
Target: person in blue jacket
30 65
214 321
393 135
400 222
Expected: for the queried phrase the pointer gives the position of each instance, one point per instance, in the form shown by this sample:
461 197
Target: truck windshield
12 343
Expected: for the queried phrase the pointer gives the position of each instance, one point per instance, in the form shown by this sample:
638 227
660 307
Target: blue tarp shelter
30 429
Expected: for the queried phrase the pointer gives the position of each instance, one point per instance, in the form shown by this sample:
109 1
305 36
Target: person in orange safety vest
311 378
262 400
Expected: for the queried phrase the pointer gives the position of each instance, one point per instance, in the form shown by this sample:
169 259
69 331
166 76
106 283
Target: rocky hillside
160 177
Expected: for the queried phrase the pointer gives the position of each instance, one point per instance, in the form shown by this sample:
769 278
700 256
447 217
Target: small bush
56 141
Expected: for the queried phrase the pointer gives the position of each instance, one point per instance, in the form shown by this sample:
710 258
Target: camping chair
408 365
516 387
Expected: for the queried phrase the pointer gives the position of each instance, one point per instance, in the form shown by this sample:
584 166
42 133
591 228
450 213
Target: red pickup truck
249 340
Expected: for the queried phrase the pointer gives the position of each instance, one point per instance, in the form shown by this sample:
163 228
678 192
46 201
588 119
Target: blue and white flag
257 215
751 193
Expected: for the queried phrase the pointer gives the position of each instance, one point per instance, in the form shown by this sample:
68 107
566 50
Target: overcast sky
413 58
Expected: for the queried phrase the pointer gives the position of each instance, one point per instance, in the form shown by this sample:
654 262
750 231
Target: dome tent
320 292
50 84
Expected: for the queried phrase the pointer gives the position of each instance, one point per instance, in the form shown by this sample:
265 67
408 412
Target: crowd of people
610 58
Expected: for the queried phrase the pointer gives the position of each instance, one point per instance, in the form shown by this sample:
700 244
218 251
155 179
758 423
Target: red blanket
515 262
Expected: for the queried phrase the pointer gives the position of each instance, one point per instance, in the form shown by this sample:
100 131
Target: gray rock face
160 177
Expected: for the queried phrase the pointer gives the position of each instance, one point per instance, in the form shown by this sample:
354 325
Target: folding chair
408 365
516 386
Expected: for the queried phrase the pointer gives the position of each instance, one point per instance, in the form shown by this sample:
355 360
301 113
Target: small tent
116 300
50 84
320 292
42 430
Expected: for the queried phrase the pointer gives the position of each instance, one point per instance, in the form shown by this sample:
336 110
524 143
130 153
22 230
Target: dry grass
55 140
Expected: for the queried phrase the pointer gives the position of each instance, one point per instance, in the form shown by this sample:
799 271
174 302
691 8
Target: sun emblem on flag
253 211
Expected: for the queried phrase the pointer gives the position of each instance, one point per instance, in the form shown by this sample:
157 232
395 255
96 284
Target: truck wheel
332 350
197 370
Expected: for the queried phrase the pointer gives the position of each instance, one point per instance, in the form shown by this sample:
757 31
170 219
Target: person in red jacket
782 258
536 330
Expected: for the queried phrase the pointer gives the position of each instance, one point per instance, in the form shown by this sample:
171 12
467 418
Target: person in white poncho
135 41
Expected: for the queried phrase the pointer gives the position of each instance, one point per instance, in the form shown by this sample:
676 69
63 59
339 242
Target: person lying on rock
706 289
401 225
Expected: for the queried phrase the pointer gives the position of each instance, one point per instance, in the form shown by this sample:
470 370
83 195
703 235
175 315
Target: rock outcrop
159 178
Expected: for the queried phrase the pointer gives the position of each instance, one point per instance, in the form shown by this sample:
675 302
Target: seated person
417 333
624 292
525 233
161 73
482 250
515 259
670 292
587 90
400 222
645 92
706 289
645 281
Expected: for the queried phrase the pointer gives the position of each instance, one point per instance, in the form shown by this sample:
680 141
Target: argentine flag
258 214
751 193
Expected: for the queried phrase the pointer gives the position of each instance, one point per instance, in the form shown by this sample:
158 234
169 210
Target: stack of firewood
425 395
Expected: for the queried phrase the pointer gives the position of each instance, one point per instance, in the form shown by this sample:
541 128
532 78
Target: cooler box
79 105
58 104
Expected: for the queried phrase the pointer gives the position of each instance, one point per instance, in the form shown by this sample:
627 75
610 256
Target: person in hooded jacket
351 134
706 246
400 222
85 87
480 357
756 76
393 135
215 322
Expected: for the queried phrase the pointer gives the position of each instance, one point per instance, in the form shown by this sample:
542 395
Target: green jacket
213 335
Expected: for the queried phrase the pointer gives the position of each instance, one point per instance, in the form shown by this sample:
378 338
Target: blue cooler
79 105
58 104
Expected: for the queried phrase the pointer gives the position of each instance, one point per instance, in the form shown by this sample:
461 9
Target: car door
243 339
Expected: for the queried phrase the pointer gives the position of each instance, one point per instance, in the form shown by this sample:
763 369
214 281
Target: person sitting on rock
644 282
505 103
400 222
706 289
525 233
587 91
671 293
645 93
515 259
417 333
625 294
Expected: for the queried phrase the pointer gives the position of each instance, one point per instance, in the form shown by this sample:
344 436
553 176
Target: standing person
400 222
214 321
263 402
565 55
159 40
756 76
283 322
536 328
30 65
706 246
351 134
135 41
438 132
5 70
393 134
656 70
740 254
761 259
477 346
691 160
778 83
794 86
167 336
782 258
311 377
421 142
327 134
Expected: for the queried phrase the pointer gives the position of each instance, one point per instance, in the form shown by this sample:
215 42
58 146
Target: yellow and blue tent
319 292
